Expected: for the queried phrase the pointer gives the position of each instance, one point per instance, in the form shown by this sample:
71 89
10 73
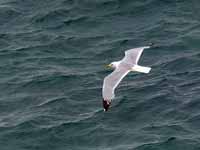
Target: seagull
121 69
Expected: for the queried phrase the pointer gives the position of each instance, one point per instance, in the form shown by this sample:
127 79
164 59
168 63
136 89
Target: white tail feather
141 69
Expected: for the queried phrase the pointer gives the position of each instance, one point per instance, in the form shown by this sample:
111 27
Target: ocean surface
52 65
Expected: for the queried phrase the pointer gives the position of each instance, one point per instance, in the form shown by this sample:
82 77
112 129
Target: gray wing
112 80
132 56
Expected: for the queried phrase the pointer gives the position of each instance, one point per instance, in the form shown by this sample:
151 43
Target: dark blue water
52 58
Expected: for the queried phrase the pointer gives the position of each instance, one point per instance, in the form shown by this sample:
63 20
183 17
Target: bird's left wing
132 56
112 80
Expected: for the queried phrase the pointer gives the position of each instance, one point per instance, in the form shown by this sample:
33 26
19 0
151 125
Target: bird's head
113 65
106 105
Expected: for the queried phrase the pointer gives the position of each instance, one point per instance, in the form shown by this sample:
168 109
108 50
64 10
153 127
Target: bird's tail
141 69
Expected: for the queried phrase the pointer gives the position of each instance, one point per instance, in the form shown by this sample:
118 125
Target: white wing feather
112 80
132 56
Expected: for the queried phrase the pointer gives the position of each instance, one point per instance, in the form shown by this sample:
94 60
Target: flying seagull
122 68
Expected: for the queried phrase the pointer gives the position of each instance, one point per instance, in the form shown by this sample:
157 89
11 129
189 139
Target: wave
8 14
172 142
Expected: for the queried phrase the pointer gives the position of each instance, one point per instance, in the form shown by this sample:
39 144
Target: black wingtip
106 105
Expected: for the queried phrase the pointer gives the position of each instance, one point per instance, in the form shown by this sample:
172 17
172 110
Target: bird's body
122 68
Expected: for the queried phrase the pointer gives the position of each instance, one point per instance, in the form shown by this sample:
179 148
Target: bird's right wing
112 80
132 56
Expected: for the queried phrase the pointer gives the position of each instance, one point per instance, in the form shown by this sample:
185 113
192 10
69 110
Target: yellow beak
108 66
